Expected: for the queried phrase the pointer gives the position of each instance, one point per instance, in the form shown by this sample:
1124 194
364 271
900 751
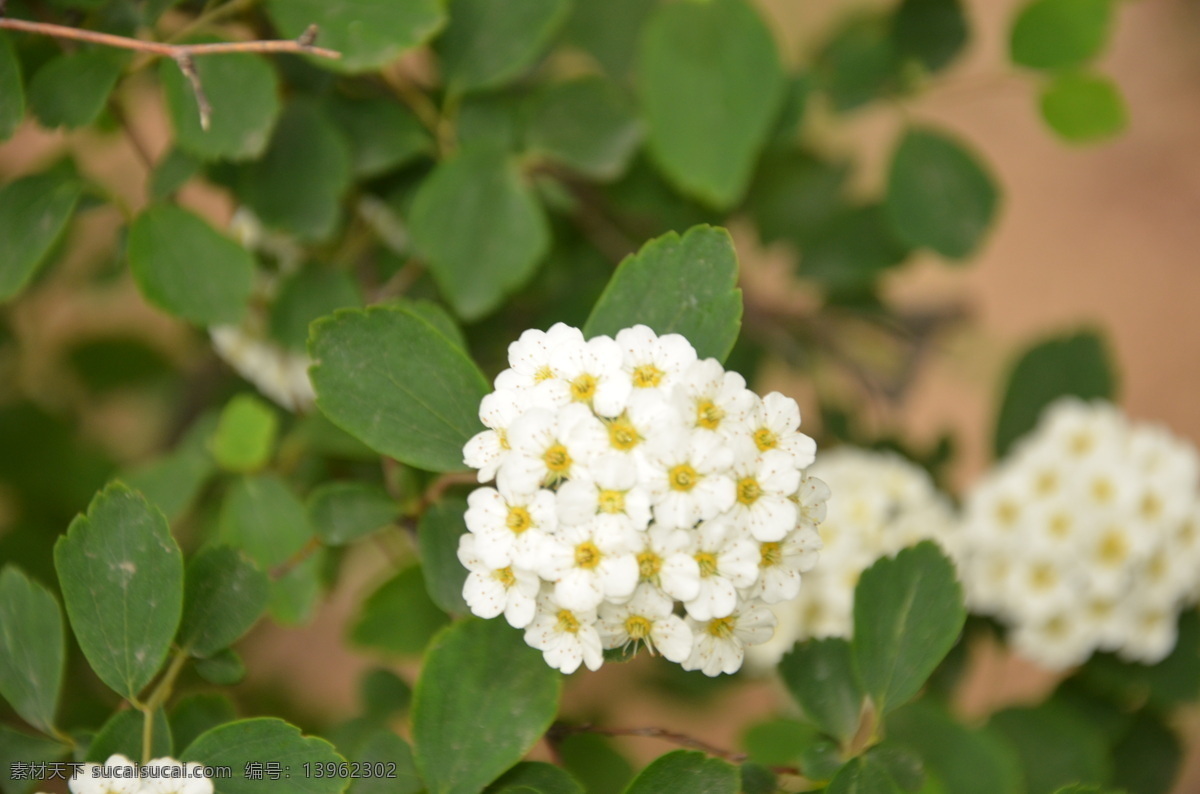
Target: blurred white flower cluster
119 775
1087 537
881 503
642 496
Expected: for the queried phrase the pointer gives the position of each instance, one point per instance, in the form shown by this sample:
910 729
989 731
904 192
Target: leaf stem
158 697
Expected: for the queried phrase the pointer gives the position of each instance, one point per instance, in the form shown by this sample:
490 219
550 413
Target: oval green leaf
369 34
438 533
965 760
1055 746
12 90
121 575
863 775
686 772
33 214
32 648
683 285
71 90
820 676
261 516
487 44
710 83
223 597
585 124
389 378
483 699
342 512
399 617
247 744
1084 108
1059 34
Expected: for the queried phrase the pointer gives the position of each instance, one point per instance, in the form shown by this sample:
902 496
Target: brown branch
291 563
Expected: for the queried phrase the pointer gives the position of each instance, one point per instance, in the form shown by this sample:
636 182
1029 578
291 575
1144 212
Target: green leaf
261 516
536 776
195 714
305 296
32 648
863 775
585 124
493 120
12 91
367 33
223 597
294 595
184 266
901 764
609 30
908 612
939 196
224 668
385 747
243 91
383 135
859 63
1167 684
391 379
123 734
686 772
437 533
1084 108
172 482
480 229
71 90
849 253
18 748
265 740
1075 365
1055 746
121 575
483 699
684 285
171 173
779 742
439 318
1059 34
931 32
592 758
298 184
342 512
757 779
383 693
487 44
965 760
399 617
820 676
795 196
33 214
710 83
245 435
1147 758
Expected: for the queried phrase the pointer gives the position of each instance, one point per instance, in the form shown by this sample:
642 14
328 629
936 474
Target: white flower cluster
1087 537
119 775
642 496
881 504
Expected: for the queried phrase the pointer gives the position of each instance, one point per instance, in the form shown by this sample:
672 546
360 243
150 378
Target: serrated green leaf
367 33
820 676
480 229
391 379
1084 108
384 747
487 44
33 214
438 533
908 612
265 740
261 516
12 90
684 285
483 699
32 648
311 293
72 89
298 184
184 266
224 668
585 124
965 760
438 317
862 775
399 617
245 434
383 135
195 714
1059 34
931 32
538 777
710 83
123 734
686 772
223 596
1055 746
1076 365
243 90
121 575
939 196
342 512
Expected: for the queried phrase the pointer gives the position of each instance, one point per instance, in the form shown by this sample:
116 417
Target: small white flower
510 527
774 423
491 591
593 375
719 645
168 776
548 447
486 451
728 561
781 564
652 361
646 618
610 496
530 368
566 638
280 374
764 489
120 776
690 482
589 563
666 558
714 400
1057 642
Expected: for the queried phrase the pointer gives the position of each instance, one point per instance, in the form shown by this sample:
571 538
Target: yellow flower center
707 563
1007 513
649 564
708 415
1103 490
518 520
611 501
771 553
567 621
637 627
504 576
1046 483
748 491
502 434
583 388
1060 525
1081 443
558 461
1151 506
1113 549
764 439
544 373
647 376
720 627
1043 576
682 477
587 555
622 434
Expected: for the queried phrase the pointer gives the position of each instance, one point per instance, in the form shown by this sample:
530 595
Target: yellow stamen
707 563
622 434
649 564
682 477
544 373
771 553
764 439
518 520
558 461
637 627
647 376
587 555
748 491
611 501
503 436
583 388
1113 549
708 415
504 576
720 627
567 621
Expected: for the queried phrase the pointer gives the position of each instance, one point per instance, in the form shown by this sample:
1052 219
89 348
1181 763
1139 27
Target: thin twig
293 562
560 730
